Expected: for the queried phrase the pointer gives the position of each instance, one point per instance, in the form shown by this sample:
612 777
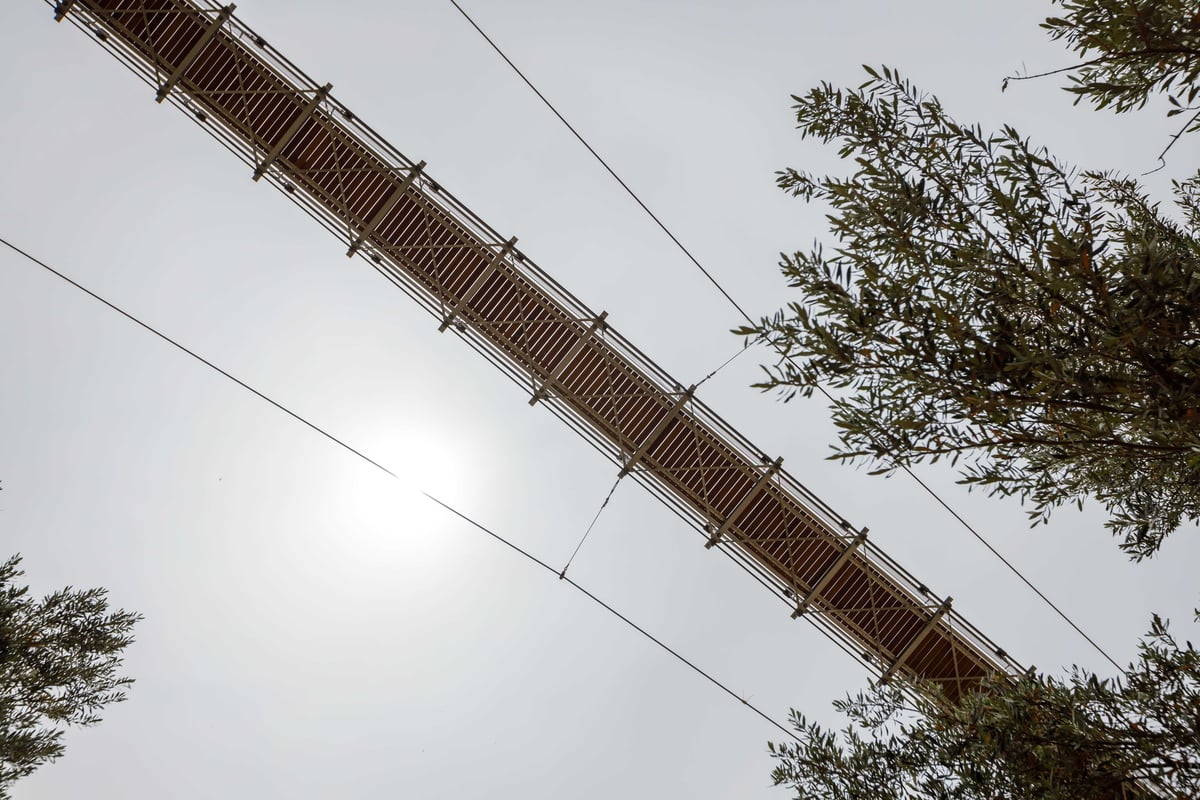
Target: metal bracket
313 104
565 361
386 209
194 53
829 573
916 640
652 439
477 284
61 8
716 535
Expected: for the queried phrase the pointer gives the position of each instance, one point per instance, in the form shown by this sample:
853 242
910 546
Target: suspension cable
695 261
592 524
603 163
461 515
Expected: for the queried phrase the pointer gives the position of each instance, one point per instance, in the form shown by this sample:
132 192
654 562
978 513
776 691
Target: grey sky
312 629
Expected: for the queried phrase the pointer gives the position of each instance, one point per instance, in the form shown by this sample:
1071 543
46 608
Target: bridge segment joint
658 431
305 115
379 216
492 265
213 28
926 629
542 392
830 573
744 503
62 8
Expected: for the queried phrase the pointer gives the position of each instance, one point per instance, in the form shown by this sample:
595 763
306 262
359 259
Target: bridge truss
385 208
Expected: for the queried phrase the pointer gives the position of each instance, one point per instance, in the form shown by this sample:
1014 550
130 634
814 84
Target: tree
986 303
59 658
1035 737
1132 50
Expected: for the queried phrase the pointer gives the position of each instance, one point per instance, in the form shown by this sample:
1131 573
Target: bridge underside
478 285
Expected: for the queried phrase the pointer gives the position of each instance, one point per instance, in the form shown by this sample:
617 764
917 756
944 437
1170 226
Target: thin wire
478 525
695 668
1012 568
747 317
612 489
727 362
197 356
591 525
608 497
603 163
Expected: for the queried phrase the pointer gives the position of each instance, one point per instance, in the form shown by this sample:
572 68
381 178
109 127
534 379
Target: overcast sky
313 629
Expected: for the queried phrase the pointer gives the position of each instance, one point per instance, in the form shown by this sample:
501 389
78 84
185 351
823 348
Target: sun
397 511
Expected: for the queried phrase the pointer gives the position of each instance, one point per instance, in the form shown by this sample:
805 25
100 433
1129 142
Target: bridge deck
478 285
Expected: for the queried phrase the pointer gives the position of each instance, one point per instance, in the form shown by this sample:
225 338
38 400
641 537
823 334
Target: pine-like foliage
59 658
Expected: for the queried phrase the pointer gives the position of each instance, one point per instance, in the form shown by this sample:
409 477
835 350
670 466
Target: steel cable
461 515
725 293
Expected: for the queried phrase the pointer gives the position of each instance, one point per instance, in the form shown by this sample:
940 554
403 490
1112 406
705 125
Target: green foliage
58 662
1035 737
987 304
1132 50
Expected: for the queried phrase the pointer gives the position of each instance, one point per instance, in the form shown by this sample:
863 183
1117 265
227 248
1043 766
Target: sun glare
394 512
